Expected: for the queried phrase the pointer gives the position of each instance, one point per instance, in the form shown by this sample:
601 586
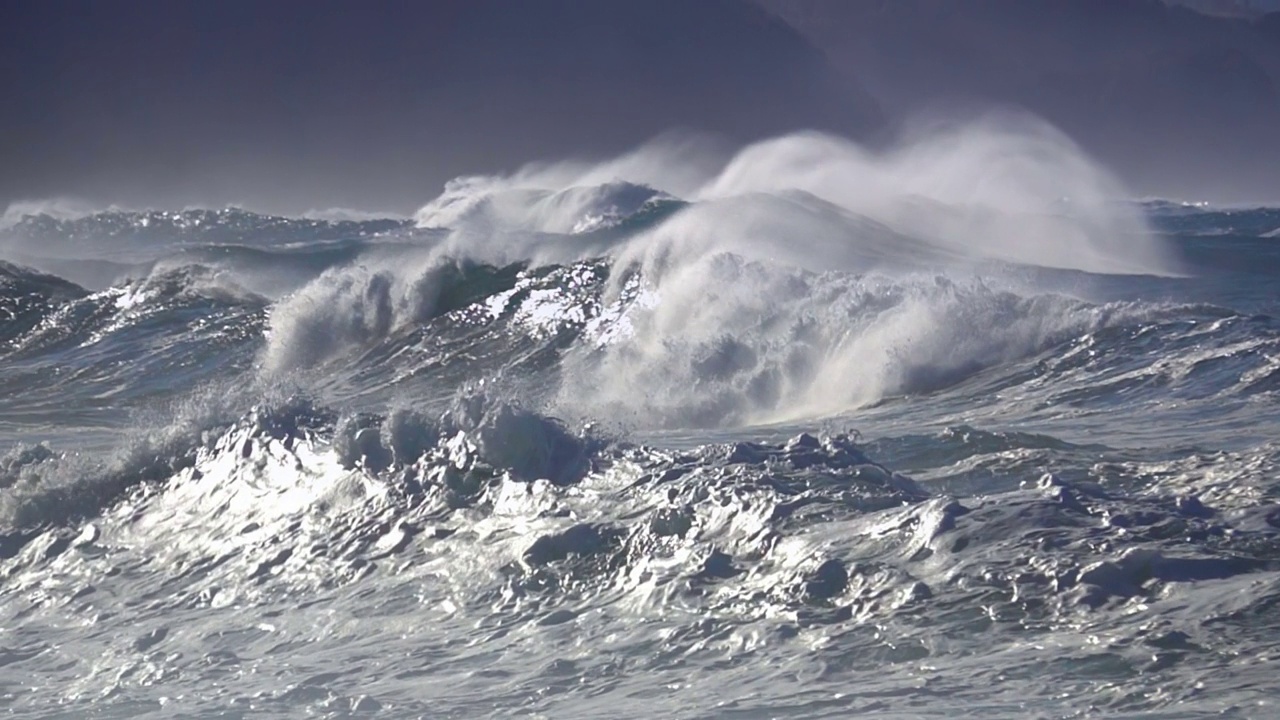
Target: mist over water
732 325
1003 187
798 277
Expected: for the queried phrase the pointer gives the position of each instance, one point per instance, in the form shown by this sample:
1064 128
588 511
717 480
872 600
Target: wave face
805 430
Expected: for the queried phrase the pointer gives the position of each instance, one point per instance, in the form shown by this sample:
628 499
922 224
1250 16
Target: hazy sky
1232 7
298 104
1181 105
293 105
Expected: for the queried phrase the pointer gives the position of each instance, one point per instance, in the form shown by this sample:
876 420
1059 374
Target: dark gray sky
291 105
298 104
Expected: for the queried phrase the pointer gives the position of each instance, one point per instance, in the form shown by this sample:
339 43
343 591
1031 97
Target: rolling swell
575 341
27 297
139 342
116 230
720 341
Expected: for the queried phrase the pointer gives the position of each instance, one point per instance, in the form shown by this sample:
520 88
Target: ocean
809 433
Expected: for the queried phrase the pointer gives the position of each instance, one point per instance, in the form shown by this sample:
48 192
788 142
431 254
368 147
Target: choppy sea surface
599 450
